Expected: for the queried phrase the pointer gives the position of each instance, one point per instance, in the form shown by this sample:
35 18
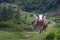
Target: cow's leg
41 30
45 28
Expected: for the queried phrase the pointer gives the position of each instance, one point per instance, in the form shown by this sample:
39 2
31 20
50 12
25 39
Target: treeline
40 6
8 12
11 18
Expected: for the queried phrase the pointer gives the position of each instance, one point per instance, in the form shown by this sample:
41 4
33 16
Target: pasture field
16 19
51 33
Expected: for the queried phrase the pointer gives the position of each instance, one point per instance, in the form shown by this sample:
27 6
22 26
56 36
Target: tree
11 12
40 6
4 14
18 15
7 13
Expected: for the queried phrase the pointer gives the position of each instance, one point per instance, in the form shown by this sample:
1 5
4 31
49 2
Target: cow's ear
35 16
45 14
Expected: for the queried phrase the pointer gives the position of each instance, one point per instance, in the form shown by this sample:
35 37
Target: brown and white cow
40 22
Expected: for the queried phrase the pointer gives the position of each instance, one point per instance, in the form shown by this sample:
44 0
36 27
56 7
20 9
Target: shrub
14 26
50 36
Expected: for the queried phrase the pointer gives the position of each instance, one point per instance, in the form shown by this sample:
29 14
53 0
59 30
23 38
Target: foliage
50 36
40 6
20 20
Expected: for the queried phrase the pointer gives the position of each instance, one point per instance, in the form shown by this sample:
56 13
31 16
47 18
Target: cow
40 22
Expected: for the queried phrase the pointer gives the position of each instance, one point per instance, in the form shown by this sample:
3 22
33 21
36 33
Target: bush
9 26
50 36
12 26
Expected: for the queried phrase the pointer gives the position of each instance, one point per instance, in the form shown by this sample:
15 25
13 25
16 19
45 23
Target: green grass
28 35
51 33
4 35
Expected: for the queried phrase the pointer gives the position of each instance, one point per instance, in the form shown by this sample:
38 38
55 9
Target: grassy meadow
16 17
10 30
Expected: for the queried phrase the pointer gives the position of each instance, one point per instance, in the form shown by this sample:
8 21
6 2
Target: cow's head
39 17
